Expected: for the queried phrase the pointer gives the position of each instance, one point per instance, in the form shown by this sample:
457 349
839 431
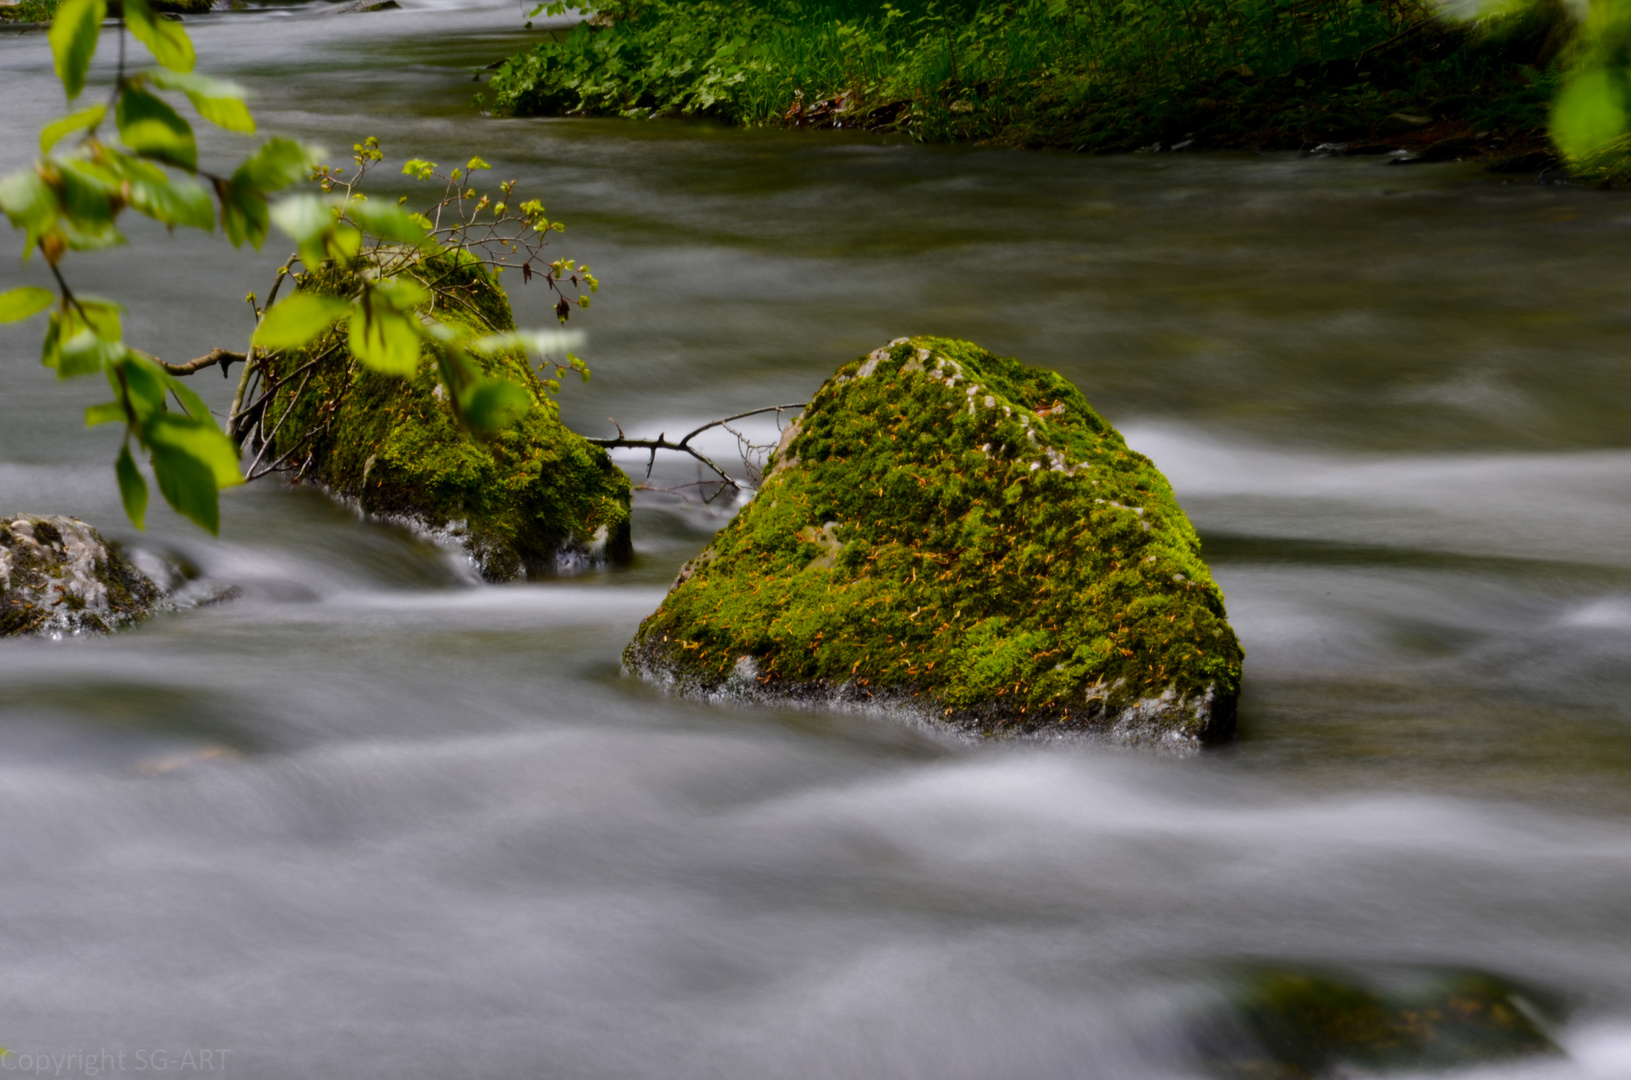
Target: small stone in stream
1289 1025
1444 150
58 576
364 5
958 538
1368 149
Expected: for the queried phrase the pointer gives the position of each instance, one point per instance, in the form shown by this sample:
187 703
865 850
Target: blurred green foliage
1093 74
72 197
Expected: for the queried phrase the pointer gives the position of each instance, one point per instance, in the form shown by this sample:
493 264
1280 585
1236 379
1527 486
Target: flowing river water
371 819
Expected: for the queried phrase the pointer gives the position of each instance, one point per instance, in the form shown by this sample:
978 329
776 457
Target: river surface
372 819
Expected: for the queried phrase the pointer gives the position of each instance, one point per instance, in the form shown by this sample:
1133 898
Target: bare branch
225 357
661 442
249 473
725 420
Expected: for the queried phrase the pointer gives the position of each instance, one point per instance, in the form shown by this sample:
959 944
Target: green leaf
400 293
73 40
541 342
121 167
86 199
1588 114
102 316
386 340
386 221
201 440
228 113
132 488
152 128
53 132
86 353
311 223
419 168
188 485
218 101
106 413
19 304
276 165
340 243
294 321
30 204
174 202
197 408
25 197
303 218
90 239
166 40
494 404
140 384
50 349
244 213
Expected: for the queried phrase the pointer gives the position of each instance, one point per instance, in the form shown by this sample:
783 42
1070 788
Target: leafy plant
1076 73
71 200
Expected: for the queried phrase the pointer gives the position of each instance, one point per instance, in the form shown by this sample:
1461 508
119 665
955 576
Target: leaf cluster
74 195
71 199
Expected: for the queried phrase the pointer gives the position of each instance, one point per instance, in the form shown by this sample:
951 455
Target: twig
233 412
249 473
225 357
623 442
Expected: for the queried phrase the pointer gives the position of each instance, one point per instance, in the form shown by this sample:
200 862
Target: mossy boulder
533 501
58 576
1304 1025
961 535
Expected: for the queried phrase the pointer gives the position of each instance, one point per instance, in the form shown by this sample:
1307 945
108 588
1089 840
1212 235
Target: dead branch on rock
751 453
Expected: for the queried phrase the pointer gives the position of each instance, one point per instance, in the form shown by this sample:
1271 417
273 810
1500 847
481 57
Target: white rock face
58 576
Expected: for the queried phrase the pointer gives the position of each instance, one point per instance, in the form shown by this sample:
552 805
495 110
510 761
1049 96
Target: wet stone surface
959 536
1303 1025
58 576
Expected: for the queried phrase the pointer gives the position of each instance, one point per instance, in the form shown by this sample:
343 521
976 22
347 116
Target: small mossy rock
963 536
536 500
1289 1025
58 576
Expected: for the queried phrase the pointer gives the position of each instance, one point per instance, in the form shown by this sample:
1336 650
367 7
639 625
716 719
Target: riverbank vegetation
1077 74
43 11
28 11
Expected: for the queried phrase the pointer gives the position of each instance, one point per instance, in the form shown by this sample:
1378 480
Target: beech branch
225 357
684 445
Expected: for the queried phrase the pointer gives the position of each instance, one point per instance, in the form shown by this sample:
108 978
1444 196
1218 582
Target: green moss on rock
961 534
535 500
58 576
1304 1025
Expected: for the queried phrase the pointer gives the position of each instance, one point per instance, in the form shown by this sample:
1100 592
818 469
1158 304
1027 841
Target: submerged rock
537 499
1301 1026
58 576
963 536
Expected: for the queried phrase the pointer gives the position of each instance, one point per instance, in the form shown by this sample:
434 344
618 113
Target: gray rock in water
58 576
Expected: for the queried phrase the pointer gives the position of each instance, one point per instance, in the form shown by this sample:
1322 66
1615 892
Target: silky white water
370 819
